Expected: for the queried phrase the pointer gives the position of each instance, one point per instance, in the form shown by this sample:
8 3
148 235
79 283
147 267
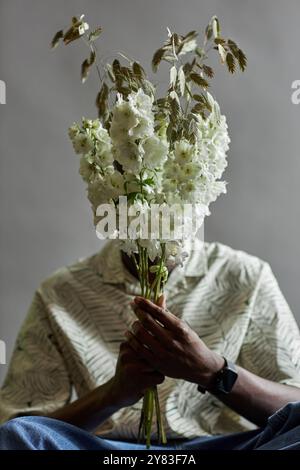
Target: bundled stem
151 290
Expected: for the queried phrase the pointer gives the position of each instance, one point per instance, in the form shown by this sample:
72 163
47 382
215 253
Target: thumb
162 301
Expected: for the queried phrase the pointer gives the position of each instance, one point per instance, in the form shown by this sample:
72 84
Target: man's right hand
132 377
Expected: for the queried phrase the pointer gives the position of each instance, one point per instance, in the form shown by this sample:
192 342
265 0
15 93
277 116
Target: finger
155 328
147 339
154 379
162 315
141 350
162 301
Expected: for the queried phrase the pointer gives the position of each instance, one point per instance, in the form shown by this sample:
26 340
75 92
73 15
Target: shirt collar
113 271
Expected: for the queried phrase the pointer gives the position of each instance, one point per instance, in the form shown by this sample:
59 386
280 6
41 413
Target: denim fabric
282 432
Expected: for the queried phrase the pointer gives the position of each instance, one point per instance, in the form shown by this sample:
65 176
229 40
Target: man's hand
132 377
170 346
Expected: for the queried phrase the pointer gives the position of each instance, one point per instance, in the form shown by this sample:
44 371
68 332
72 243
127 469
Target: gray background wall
45 218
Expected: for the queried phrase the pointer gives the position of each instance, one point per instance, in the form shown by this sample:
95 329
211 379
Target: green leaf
57 37
95 34
148 181
230 62
196 78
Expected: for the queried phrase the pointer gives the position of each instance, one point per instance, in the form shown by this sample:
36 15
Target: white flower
190 171
141 102
153 248
116 183
124 115
144 128
73 131
129 155
155 152
175 253
82 143
129 246
184 151
87 170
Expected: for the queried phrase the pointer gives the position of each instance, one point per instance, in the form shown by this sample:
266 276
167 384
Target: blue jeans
282 432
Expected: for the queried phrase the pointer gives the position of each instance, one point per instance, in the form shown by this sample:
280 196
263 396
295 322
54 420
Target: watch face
226 380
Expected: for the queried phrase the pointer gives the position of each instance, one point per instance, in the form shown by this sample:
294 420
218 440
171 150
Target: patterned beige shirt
71 336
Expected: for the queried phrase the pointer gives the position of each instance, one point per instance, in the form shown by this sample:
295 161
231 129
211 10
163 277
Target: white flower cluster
192 172
132 159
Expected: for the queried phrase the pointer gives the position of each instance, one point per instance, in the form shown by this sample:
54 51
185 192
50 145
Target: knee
17 433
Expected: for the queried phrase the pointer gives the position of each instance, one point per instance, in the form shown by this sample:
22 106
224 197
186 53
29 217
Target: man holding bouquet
225 351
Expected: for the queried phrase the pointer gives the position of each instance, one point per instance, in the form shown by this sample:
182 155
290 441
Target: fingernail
138 300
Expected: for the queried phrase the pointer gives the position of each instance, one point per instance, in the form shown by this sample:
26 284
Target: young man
225 351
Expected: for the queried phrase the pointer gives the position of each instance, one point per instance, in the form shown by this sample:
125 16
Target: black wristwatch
225 379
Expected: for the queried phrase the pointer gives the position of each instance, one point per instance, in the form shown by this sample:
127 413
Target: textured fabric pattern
71 336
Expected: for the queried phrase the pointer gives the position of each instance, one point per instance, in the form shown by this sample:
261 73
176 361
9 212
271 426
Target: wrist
113 395
206 377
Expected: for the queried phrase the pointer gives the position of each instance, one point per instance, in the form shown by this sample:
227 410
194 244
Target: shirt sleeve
271 348
37 381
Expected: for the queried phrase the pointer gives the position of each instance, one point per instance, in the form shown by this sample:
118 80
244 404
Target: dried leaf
189 36
208 32
233 47
110 72
85 69
215 26
230 62
116 66
173 76
242 60
158 55
219 41
222 53
181 80
101 100
138 70
208 71
199 80
173 95
200 52
95 34
55 41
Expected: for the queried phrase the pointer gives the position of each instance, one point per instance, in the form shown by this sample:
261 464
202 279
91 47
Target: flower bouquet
153 164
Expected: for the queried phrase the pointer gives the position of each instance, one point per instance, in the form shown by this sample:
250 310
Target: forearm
91 410
256 398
